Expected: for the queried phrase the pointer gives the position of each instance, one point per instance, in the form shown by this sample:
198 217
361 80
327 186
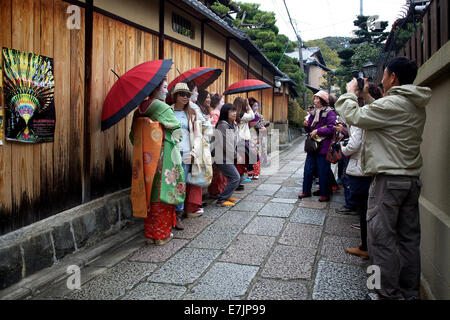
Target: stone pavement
269 246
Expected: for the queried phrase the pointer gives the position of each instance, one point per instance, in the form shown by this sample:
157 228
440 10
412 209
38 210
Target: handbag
334 153
311 145
201 170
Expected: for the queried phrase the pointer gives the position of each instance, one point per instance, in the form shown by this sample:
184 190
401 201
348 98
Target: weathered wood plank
5 150
22 154
76 138
109 80
97 97
36 147
434 26
47 186
130 62
444 25
219 84
119 63
62 97
419 45
426 37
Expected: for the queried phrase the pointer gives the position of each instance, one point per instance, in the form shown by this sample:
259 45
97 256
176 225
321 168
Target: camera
360 77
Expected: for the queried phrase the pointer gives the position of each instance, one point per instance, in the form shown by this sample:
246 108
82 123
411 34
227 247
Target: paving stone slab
192 227
282 200
248 249
340 226
313 204
256 199
213 211
235 218
288 192
336 281
185 266
267 289
277 179
308 216
114 283
333 249
153 253
155 291
288 262
216 236
276 210
224 281
268 187
247 206
265 226
301 235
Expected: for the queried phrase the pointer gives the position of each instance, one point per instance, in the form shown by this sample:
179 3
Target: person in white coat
244 115
359 186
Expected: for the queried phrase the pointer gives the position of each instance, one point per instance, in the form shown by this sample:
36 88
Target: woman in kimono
158 183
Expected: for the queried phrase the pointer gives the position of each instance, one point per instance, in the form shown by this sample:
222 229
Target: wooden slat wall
254 94
119 47
267 104
38 180
184 58
236 72
219 84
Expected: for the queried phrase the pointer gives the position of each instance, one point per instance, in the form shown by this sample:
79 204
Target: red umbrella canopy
202 76
131 89
246 85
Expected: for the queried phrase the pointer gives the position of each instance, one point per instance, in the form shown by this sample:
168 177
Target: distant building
315 67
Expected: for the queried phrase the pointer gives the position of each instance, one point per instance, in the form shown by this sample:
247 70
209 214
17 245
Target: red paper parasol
202 76
246 85
131 89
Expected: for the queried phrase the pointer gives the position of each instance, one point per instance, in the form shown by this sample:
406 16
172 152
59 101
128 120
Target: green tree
363 53
330 56
364 34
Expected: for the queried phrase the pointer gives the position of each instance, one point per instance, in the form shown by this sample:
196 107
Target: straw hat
180 87
324 95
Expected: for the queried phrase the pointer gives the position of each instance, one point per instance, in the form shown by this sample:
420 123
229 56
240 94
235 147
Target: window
182 26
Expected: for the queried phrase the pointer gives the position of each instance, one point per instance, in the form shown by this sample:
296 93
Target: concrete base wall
434 200
40 245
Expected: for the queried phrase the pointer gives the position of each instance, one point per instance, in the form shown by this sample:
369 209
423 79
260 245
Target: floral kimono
168 185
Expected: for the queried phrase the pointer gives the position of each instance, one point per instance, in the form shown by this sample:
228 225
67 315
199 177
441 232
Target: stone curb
32 285
26 251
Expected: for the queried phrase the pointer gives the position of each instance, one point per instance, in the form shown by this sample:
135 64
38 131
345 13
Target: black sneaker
345 211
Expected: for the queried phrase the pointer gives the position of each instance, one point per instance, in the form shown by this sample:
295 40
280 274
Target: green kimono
168 184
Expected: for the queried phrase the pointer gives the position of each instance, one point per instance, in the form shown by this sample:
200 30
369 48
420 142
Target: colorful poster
28 85
1 105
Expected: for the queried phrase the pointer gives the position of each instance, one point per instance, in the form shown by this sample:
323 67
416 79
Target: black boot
179 225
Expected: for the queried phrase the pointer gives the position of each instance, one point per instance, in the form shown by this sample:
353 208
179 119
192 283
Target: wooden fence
431 34
83 163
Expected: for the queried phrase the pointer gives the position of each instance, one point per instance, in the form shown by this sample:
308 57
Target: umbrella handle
115 74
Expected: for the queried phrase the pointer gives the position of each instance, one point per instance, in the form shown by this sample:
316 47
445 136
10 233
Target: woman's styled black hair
224 112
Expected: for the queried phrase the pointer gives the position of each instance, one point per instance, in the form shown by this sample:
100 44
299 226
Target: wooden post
413 47
445 28
434 27
227 67
89 22
202 50
419 45
426 37
161 28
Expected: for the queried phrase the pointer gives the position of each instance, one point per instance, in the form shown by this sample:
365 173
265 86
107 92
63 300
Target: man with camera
391 154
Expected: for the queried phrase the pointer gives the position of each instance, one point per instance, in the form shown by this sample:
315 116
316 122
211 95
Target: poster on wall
28 88
1 105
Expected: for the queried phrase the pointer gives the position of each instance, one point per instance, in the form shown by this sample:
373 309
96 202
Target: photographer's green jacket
394 126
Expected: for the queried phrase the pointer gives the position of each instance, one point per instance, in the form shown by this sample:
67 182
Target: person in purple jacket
320 123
